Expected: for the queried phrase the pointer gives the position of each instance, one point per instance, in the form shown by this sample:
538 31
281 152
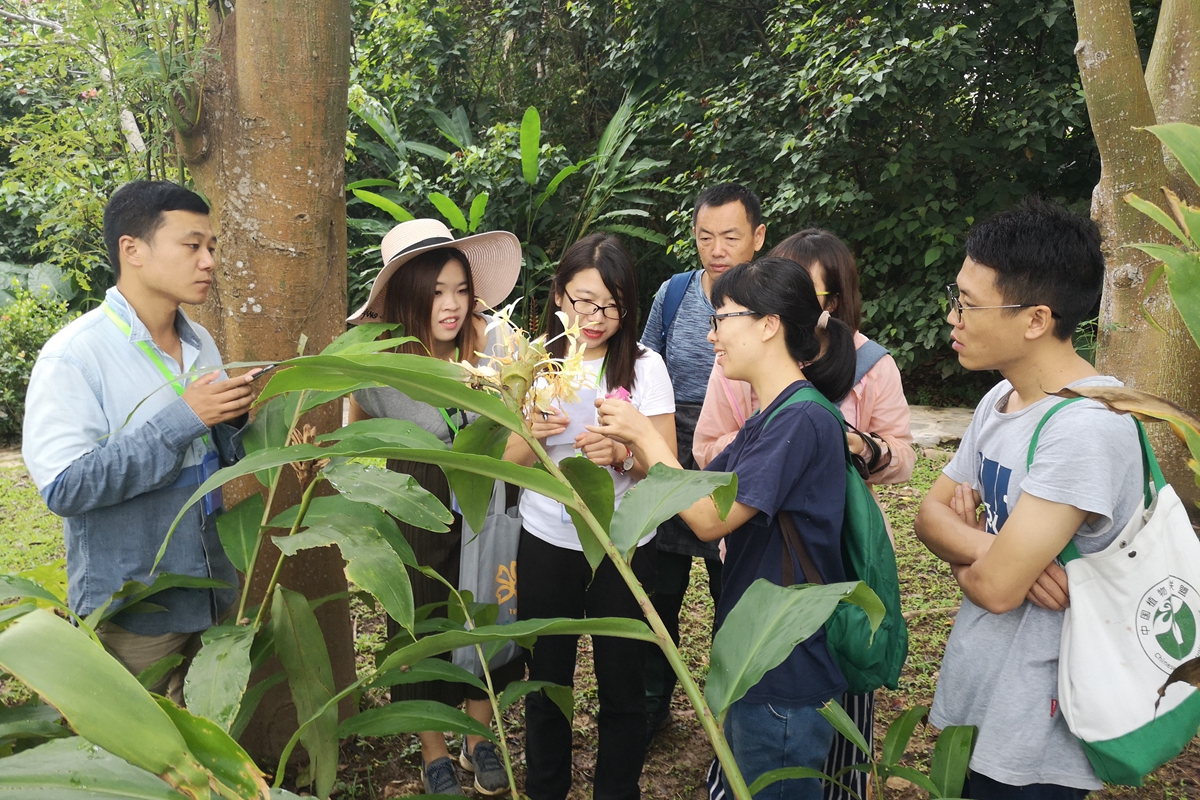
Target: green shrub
25 325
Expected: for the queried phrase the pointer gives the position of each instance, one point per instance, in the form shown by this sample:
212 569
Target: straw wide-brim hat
495 259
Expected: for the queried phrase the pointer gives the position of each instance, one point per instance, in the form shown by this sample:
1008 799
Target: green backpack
867 556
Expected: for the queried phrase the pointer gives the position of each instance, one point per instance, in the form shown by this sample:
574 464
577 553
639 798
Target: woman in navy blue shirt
789 459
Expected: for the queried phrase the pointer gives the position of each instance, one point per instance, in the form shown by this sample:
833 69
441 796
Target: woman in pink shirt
875 407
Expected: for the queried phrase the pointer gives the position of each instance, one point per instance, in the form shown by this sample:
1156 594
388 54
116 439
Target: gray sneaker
485 762
441 778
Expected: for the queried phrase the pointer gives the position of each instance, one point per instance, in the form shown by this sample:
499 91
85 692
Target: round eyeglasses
586 308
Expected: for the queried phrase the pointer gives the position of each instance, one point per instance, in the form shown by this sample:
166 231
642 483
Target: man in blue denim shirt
116 450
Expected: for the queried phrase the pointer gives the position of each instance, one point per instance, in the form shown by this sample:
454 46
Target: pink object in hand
620 393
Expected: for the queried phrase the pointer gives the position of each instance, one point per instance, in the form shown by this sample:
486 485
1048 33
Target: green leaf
379 201
401 433
217 677
637 232
1158 215
370 183
371 562
31 720
449 210
951 754
556 181
76 769
152 675
841 722
786 773
933 254
478 207
594 486
13 587
219 753
413 716
250 701
396 493
484 437
300 646
1183 282
269 428
238 529
431 669
138 592
1183 140
662 494
531 143
895 742
322 508
763 628
911 775
96 695
524 632
561 696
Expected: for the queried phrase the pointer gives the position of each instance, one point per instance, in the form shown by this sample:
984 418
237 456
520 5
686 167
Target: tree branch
43 23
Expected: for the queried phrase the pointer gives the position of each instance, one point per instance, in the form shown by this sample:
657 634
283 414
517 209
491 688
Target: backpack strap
866 357
810 395
677 288
794 545
1151 472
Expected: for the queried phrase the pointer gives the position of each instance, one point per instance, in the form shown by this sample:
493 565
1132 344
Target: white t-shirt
652 395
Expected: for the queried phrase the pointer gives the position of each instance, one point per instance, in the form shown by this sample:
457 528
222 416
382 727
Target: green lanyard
176 381
603 369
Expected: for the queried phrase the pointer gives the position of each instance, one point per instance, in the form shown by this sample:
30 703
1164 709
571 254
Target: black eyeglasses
715 318
586 308
956 304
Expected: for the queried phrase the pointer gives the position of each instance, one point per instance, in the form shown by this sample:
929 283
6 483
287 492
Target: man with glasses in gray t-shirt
1030 276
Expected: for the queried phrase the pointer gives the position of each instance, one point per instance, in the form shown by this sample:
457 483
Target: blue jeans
764 737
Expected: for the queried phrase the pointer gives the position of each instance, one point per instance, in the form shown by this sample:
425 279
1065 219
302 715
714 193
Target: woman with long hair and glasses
881 437
790 461
430 284
594 286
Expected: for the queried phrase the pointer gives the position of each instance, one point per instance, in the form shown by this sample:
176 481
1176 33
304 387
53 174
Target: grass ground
678 756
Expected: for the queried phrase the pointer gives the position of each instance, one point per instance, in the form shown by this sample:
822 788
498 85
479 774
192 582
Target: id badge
565 515
208 467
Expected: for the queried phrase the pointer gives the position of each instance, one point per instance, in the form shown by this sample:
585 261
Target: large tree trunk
1120 99
268 151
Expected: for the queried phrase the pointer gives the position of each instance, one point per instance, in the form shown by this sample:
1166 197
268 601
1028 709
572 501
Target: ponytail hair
781 287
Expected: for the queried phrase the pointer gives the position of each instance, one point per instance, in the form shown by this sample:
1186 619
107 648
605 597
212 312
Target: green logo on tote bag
1166 623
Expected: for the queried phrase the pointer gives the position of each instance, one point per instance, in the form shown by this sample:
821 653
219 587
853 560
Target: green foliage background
894 123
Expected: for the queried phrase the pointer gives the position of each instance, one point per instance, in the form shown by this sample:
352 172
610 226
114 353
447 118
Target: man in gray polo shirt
727 223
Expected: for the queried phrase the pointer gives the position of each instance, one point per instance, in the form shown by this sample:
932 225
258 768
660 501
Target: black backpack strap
794 545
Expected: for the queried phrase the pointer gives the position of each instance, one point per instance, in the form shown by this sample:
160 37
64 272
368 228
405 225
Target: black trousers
556 582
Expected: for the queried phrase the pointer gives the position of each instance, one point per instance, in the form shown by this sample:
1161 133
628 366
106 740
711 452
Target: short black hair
724 193
136 210
1043 254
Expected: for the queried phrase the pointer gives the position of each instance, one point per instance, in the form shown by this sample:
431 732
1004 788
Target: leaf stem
304 503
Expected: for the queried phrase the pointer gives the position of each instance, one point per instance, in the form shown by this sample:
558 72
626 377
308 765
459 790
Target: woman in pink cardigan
875 406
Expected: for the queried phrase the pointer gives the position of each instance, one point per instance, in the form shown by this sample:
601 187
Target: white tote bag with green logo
1133 618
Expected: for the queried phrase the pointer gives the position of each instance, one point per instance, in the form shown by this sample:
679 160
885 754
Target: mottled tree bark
268 152
1121 99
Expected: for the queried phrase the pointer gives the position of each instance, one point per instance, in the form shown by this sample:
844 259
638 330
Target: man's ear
1041 323
760 236
129 250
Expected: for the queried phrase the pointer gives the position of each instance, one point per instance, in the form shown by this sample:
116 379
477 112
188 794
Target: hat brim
495 259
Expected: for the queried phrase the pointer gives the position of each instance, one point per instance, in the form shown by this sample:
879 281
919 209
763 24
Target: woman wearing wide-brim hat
433 284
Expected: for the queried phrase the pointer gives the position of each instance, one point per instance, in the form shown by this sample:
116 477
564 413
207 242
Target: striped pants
842 754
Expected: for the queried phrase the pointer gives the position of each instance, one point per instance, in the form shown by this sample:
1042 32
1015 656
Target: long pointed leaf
895 741
531 143
238 529
301 649
76 769
552 187
448 209
951 754
96 695
561 696
1183 282
398 213
218 752
1183 140
833 712
1158 215
662 494
484 437
217 677
250 701
371 562
595 486
431 669
389 431
478 208
764 627
785 774
413 716
398 494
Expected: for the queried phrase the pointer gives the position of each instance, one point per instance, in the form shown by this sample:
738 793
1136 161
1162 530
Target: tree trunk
268 152
1120 99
